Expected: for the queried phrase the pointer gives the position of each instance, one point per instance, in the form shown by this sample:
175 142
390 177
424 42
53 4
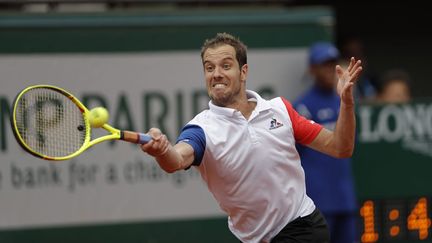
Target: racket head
50 123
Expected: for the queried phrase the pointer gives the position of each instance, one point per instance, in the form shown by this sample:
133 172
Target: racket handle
135 137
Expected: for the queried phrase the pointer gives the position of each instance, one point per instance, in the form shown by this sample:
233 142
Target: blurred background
140 59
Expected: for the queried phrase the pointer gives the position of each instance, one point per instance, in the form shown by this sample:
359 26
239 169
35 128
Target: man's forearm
344 134
170 160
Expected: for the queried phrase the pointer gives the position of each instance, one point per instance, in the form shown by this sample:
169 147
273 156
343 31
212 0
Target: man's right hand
159 144
170 158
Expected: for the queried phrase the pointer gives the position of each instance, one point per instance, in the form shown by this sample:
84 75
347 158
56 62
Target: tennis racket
52 124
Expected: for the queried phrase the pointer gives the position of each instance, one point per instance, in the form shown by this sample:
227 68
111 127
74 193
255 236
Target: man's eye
209 68
226 66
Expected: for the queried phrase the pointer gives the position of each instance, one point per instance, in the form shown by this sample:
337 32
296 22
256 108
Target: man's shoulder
278 103
201 118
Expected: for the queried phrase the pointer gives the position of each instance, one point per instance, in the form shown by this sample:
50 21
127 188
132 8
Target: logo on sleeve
274 124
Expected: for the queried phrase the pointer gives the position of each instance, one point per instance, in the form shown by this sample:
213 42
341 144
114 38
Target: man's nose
217 73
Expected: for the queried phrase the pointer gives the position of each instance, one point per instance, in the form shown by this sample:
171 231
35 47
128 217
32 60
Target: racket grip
135 137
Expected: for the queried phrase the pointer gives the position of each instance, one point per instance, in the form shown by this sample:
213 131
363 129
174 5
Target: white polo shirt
252 167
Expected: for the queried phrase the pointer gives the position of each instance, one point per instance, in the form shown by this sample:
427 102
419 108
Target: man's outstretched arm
170 158
340 142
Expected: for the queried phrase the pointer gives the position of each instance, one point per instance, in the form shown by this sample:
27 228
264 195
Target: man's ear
244 72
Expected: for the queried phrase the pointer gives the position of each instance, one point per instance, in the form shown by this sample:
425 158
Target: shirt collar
262 105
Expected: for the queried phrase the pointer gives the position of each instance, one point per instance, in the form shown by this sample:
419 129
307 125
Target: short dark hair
227 39
391 76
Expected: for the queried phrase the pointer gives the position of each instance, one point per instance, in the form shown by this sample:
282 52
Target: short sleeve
305 131
195 137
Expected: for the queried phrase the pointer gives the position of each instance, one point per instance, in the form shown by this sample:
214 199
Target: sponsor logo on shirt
274 123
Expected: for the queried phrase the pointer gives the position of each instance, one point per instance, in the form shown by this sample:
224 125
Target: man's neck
247 108
244 106
324 89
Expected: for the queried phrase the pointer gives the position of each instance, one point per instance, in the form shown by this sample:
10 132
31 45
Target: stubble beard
226 99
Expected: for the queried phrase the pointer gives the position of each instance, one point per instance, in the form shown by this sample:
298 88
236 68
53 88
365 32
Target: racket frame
115 134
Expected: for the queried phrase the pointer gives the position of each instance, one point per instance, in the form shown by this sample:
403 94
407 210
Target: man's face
224 78
396 92
325 74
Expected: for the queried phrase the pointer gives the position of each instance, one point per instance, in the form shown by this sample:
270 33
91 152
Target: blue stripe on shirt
195 137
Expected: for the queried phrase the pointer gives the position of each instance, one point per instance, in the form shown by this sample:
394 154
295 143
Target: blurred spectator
367 84
394 87
329 181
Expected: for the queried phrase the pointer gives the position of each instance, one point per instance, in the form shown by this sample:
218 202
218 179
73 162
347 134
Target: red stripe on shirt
305 131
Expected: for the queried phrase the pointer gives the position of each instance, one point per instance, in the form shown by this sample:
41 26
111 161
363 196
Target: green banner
161 30
392 166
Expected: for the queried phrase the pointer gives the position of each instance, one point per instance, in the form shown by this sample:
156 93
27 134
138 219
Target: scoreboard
396 220
392 166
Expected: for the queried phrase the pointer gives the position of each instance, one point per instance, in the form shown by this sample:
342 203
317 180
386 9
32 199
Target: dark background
394 36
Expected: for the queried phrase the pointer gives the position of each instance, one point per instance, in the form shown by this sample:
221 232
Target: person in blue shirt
329 180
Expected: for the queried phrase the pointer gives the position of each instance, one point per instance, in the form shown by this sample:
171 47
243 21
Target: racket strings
50 123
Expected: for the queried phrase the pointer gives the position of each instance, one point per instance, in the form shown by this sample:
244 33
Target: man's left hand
346 80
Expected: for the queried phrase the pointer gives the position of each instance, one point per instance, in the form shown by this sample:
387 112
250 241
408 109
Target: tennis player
244 148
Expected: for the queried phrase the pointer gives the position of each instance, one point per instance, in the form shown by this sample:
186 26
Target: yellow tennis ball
98 116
